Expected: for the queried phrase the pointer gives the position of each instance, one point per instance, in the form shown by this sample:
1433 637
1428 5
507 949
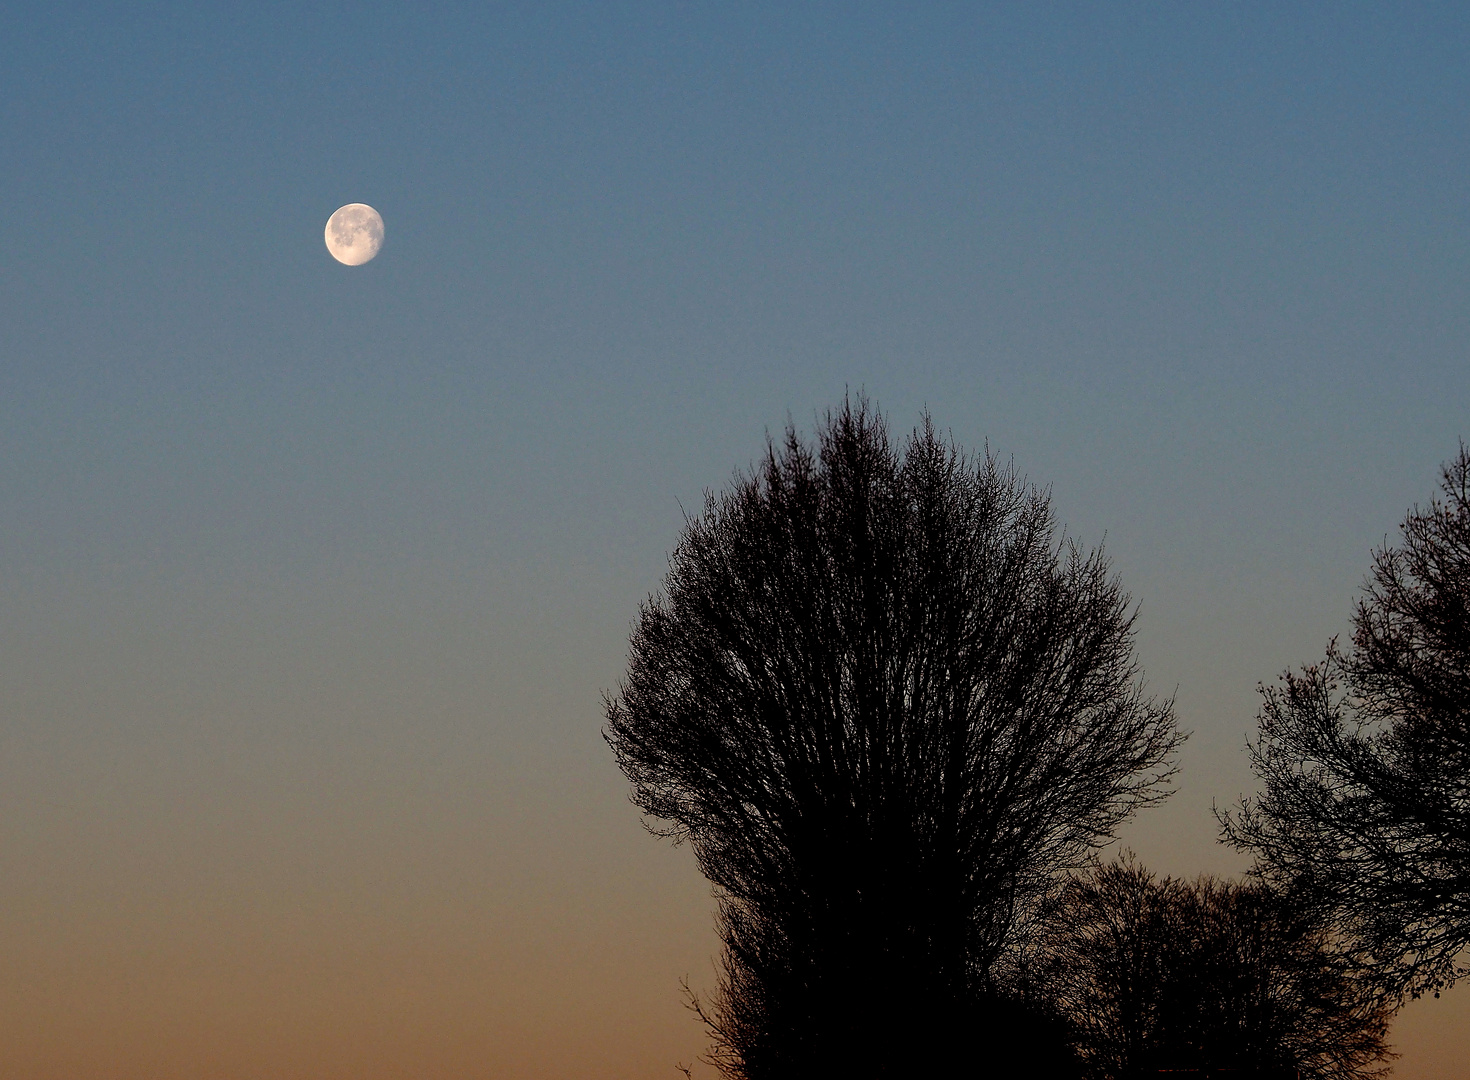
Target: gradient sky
311 577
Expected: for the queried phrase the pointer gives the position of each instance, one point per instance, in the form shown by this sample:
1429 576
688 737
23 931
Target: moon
354 234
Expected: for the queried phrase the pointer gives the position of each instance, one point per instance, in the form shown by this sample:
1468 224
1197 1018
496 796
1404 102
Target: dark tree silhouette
885 705
1365 759
1165 974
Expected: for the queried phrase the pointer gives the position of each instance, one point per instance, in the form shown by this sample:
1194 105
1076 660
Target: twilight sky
311 577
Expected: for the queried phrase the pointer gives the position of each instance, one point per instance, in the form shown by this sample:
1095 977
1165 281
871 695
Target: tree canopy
1364 759
1154 974
886 704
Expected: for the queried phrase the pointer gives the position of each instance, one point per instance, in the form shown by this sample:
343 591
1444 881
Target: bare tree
886 706
1365 759
1160 974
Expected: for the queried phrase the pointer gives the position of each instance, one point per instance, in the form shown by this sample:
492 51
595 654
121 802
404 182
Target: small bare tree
1154 974
886 706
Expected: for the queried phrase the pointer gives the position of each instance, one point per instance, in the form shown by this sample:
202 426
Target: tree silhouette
1365 759
1160 974
886 706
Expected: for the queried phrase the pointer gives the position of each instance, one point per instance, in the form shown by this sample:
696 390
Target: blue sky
345 557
